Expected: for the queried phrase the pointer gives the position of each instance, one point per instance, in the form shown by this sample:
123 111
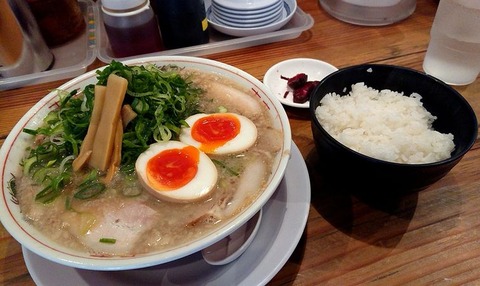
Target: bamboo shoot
105 136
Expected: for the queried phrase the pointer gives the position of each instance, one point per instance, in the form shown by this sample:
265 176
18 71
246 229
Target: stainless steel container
369 12
22 48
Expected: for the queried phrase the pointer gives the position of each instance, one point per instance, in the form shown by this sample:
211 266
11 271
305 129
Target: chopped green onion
53 189
30 131
228 169
89 191
90 187
28 163
68 203
108 240
12 188
222 109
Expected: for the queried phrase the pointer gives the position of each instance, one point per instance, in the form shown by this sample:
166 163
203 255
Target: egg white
199 187
244 140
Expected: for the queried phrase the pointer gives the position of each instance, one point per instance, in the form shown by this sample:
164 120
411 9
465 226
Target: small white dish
290 6
314 69
231 247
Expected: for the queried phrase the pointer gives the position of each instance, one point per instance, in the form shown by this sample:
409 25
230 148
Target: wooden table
425 238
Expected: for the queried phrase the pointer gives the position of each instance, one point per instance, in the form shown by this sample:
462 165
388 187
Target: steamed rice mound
385 125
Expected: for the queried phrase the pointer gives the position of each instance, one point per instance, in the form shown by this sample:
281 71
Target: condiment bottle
59 20
131 27
183 23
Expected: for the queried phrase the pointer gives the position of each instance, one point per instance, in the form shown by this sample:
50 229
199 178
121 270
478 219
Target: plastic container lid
122 5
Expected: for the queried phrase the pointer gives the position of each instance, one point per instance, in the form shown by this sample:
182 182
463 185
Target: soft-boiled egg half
177 172
219 133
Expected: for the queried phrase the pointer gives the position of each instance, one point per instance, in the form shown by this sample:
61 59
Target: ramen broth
140 224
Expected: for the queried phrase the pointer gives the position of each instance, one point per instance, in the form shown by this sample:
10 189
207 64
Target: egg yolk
215 130
173 168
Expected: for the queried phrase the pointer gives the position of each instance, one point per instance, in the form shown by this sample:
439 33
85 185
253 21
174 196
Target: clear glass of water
453 53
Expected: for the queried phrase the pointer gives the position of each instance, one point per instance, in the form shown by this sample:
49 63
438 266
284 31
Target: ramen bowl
367 174
36 241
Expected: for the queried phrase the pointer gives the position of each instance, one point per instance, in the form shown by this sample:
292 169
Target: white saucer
236 19
246 5
290 7
314 69
247 10
284 219
246 25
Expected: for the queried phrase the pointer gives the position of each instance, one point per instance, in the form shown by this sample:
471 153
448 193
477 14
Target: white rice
385 125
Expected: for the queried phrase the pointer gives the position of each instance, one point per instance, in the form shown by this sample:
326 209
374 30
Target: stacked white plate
249 17
247 13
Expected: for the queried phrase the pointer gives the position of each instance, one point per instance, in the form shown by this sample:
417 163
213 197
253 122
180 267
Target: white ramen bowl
14 147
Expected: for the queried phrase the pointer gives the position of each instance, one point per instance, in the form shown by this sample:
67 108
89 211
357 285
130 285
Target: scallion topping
108 240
